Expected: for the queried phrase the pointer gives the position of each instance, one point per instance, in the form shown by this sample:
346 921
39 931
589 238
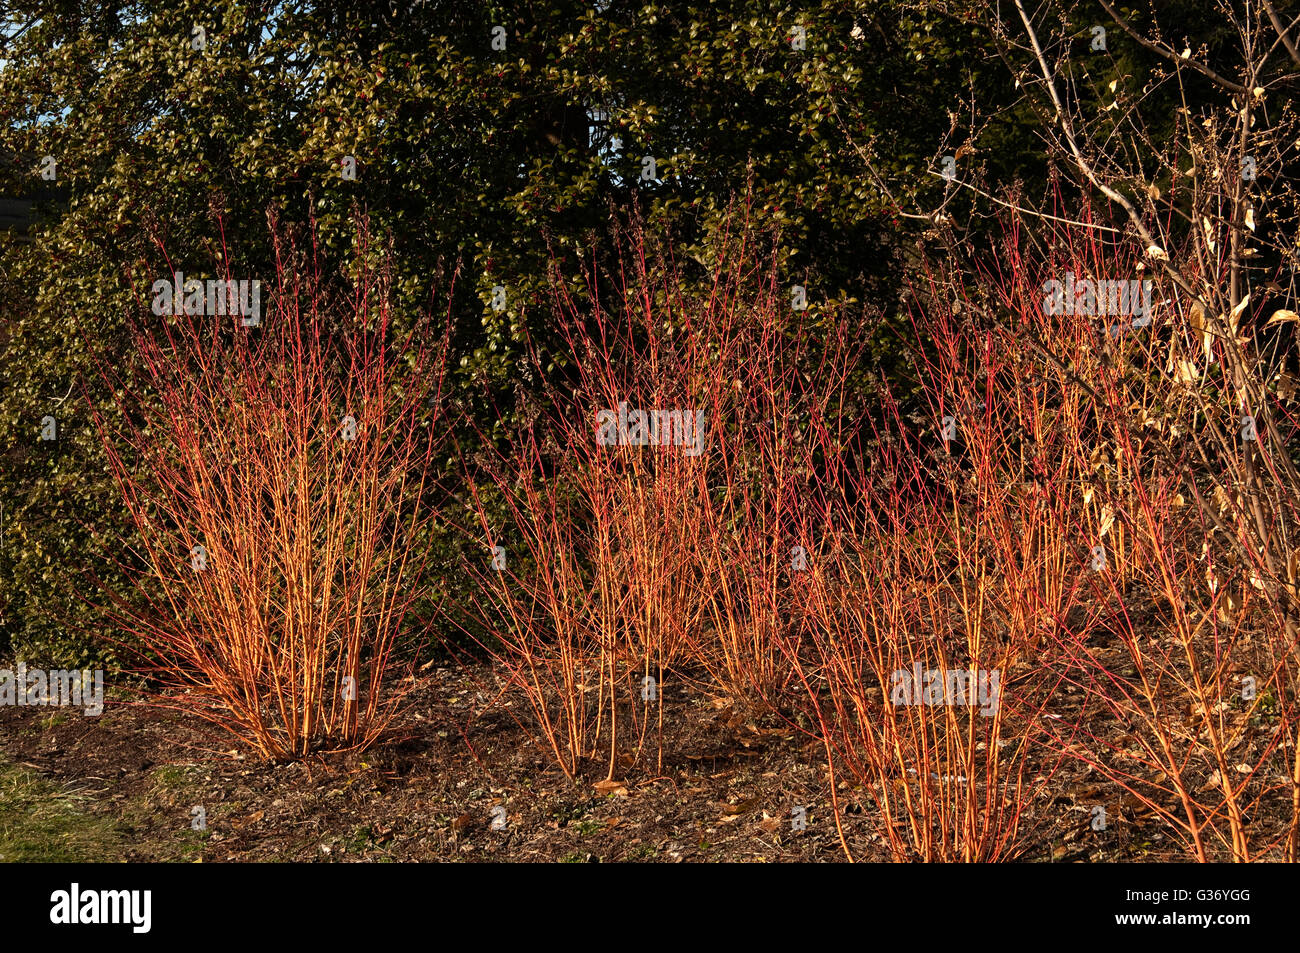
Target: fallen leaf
740 807
617 788
251 819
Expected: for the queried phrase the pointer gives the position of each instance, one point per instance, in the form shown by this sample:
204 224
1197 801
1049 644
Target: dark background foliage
480 162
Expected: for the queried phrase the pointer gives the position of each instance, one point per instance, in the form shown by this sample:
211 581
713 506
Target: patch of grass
360 839
41 822
173 777
190 845
567 812
173 792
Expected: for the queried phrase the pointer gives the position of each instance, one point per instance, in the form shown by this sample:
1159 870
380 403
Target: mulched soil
426 792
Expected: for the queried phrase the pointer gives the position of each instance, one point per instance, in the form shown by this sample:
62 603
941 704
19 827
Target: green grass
173 778
360 839
39 821
53 720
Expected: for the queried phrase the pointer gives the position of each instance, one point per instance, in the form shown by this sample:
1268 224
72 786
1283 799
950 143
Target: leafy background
467 157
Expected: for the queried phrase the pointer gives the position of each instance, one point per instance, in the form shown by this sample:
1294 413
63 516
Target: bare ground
427 791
